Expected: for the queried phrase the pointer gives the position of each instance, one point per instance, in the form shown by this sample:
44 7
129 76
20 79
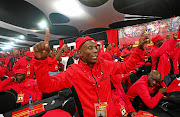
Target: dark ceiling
21 17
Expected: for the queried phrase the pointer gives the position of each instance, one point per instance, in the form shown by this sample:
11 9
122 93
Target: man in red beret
126 52
89 81
26 63
160 54
23 86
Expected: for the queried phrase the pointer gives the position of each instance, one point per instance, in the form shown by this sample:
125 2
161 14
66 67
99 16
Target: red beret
30 54
79 41
126 44
156 38
74 50
20 71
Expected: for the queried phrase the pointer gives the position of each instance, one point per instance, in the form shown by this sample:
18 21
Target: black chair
7 101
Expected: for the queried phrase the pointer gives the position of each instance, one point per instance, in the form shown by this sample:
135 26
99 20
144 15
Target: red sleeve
4 84
124 52
127 66
48 83
172 45
150 102
160 51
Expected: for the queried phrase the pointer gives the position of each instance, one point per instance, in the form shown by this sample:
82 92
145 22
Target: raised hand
175 36
144 39
41 49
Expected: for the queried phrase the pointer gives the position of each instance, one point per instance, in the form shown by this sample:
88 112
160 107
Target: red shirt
85 83
53 64
143 90
5 72
174 55
116 51
3 59
126 51
27 65
107 56
28 87
163 53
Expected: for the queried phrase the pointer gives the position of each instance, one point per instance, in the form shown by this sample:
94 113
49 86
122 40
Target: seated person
22 85
121 101
140 92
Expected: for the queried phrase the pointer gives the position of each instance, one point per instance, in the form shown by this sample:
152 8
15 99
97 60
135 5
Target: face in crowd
153 78
75 55
20 77
88 52
28 58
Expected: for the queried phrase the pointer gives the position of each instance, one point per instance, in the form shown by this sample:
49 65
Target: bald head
154 77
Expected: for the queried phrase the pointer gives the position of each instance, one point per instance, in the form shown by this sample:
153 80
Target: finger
42 44
47 37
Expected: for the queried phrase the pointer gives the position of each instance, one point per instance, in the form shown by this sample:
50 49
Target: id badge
123 111
100 109
20 98
28 73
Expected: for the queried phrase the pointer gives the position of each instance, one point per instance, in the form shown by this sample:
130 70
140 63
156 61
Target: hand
163 90
175 36
133 113
144 39
13 79
41 49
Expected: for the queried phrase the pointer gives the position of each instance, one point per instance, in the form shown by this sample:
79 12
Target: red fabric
156 38
5 72
107 56
174 86
28 87
53 64
112 36
27 66
81 79
116 51
143 90
30 54
126 51
56 113
79 41
120 99
174 55
3 59
1 74
100 54
61 43
20 71
73 50
162 52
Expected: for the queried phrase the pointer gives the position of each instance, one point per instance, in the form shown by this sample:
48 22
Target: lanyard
96 86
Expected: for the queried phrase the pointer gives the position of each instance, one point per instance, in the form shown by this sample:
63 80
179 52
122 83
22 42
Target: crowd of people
97 80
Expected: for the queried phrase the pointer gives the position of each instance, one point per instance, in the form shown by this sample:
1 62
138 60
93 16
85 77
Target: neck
90 65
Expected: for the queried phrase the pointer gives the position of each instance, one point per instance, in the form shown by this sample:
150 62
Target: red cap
20 71
74 50
156 38
79 41
30 54
126 44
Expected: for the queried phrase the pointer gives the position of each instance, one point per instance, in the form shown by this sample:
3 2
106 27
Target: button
93 84
98 85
